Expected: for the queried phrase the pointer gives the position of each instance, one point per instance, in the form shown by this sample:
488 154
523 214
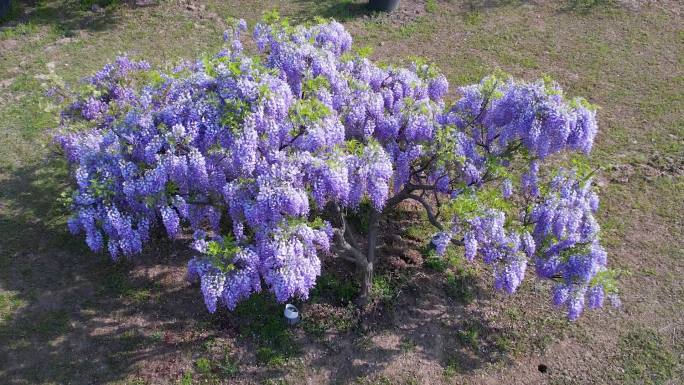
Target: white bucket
291 314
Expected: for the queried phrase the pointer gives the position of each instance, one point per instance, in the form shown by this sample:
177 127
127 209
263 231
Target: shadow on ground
80 318
64 15
340 10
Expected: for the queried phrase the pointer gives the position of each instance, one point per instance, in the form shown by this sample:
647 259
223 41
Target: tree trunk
366 269
366 274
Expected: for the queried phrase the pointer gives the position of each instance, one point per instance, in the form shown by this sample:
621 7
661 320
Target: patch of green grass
416 29
228 367
384 288
330 319
584 6
452 368
276 381
504 343
18 30
330 287
46 324
436 263
645 358
460 284
87 5
473 18
131 340
261 320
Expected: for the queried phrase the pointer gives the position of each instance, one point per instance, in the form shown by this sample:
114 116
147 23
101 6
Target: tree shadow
420 324
483 4
69 316
340 10
65 15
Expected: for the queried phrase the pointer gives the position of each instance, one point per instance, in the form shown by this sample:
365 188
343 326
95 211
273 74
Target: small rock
191 7
96 8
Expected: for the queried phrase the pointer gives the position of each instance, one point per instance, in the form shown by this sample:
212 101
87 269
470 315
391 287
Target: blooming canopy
246 152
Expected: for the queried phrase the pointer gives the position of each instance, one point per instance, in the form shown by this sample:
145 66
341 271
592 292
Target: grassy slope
629 61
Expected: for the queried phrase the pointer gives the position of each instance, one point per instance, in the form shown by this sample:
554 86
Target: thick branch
428 209
347 251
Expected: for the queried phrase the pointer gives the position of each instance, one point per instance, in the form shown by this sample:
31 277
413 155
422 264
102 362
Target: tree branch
428 209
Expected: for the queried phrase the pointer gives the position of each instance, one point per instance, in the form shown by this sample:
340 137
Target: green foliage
311 86
101 188
305 111
608 279
425 68
221 254
363 51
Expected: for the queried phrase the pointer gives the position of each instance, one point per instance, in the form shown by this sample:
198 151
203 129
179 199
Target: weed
469 336
203 365
431 6
186 379
228 367
407 345
452 368
473 18
383 288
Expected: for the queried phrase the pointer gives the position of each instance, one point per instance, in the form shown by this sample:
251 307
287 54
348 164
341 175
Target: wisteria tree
263 158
